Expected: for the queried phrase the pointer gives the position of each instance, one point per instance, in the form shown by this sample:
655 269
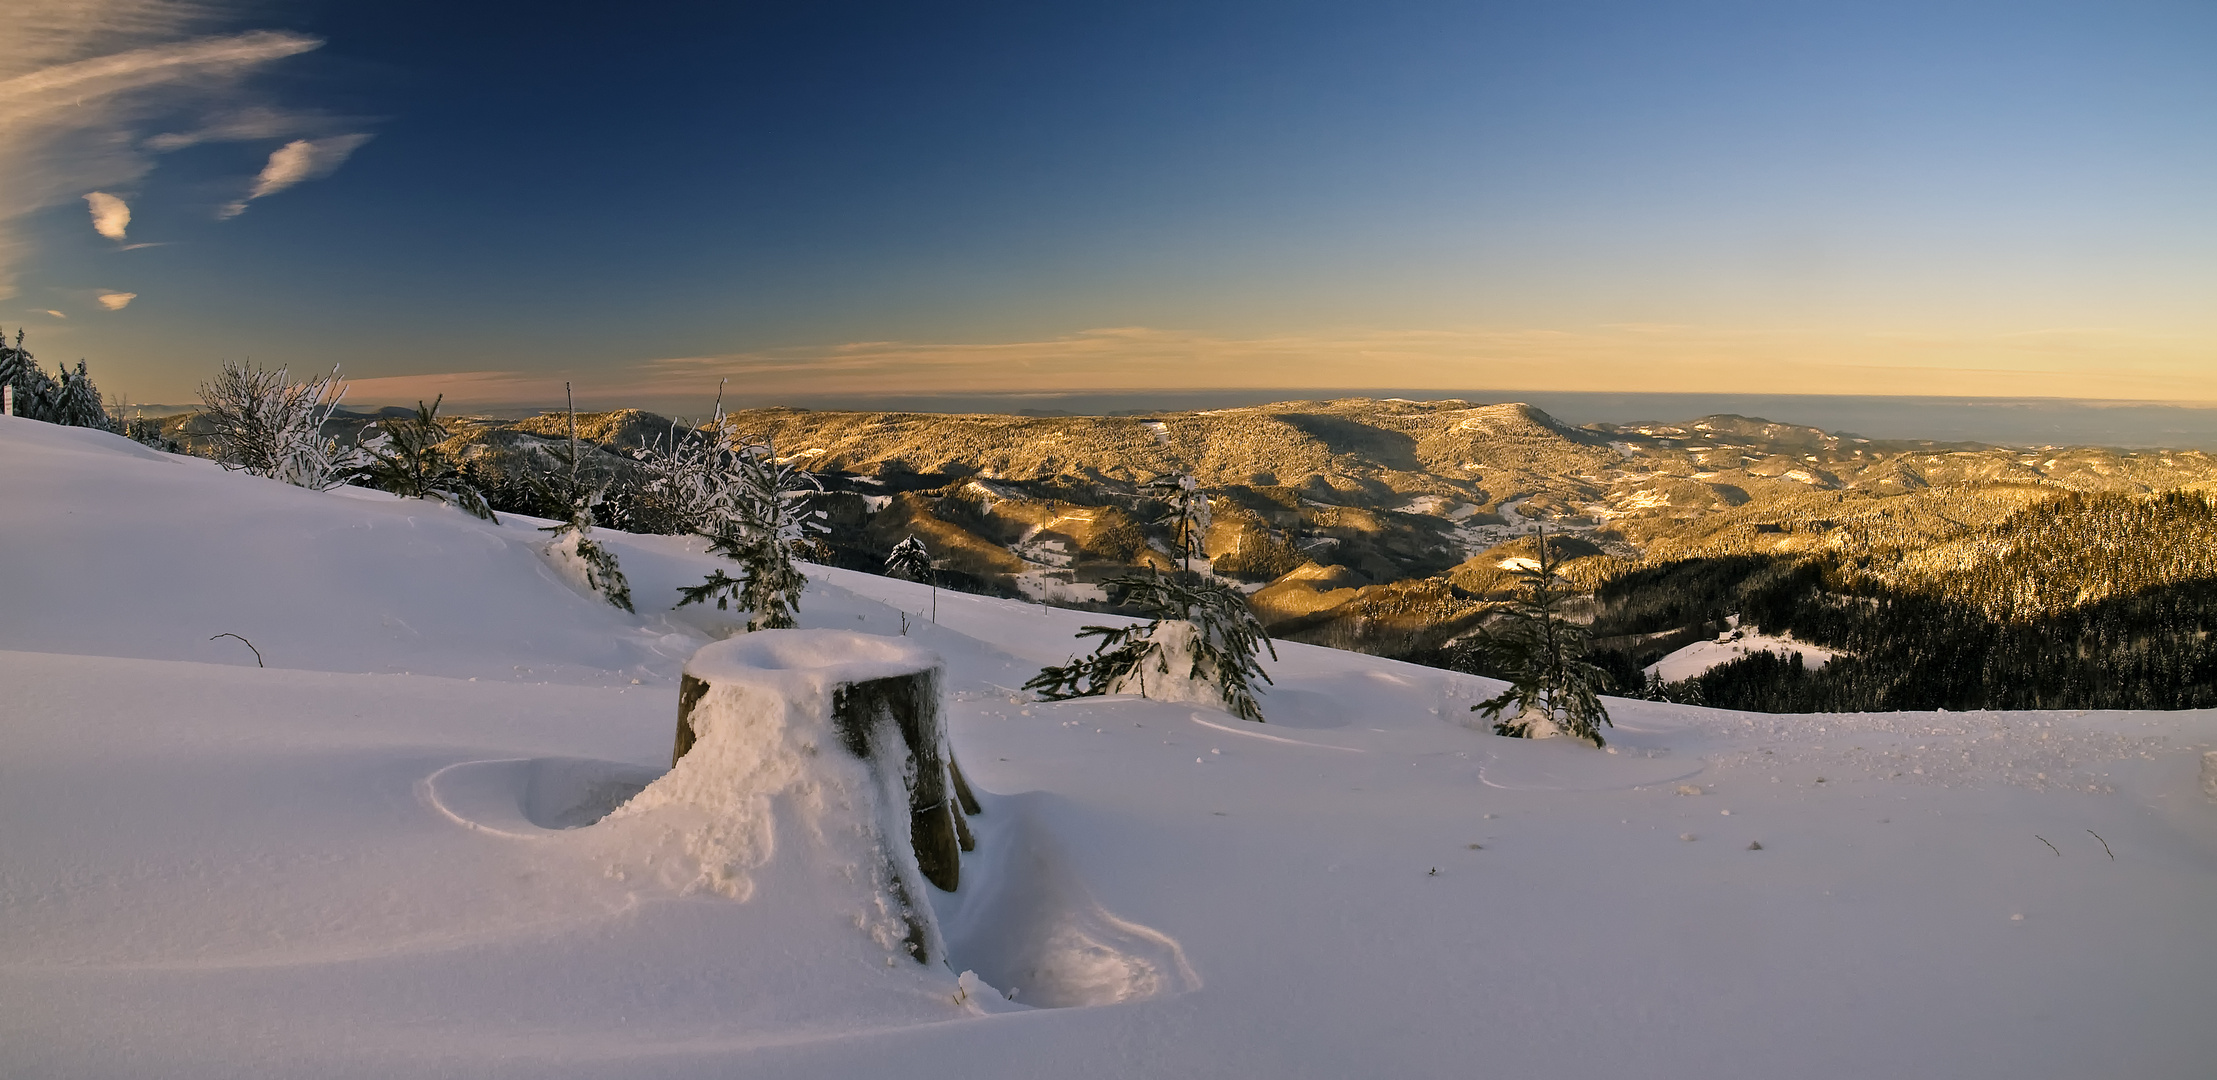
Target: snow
389 854
1169 677
1700 656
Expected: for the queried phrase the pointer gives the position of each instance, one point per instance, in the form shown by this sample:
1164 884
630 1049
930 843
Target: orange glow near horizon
2093 364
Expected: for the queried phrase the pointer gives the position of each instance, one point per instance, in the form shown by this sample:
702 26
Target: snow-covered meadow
354 861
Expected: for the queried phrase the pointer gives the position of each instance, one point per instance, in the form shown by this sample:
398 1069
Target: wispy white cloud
117 301
80 80
297 161
253 123
110 214
56 314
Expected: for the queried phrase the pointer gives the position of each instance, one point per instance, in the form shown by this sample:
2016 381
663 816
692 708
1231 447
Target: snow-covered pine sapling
405 459
268 425
1552 688
573 537
910 561
766 508
1202 637
1187 516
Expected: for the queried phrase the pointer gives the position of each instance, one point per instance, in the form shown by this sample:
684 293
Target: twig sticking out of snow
257 652
2105 845
2052 847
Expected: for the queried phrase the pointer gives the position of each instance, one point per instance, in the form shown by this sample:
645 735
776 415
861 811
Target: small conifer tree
763 511
571 488
405 459
35 392
1543 655
78 404
1187 517
910 561
15 368
1199 625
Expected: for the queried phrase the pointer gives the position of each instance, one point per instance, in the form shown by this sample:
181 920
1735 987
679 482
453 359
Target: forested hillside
2077 601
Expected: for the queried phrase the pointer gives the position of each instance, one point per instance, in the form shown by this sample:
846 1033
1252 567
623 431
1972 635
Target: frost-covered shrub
685 482
1201 646
266 424
404 458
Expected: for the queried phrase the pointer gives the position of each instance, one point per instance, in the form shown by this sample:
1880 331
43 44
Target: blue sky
807 199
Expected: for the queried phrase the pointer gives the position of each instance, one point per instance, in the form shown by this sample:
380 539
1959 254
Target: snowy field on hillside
357 861
1691 660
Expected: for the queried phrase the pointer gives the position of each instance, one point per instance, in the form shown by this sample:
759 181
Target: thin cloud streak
253 123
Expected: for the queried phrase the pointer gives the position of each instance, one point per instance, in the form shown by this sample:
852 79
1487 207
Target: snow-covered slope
1694 659
353 862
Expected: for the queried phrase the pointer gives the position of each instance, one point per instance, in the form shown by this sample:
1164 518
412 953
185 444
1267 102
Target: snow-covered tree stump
875 697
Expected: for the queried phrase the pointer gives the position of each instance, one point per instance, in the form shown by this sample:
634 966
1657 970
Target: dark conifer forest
2085 601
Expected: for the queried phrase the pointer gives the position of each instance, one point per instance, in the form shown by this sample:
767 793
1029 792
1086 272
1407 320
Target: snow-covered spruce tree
573 542
404 458
15 363
1187 517
267 425
1201 645
764 510
579 492
67 397
910 560
1552 688
78 404
34 390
